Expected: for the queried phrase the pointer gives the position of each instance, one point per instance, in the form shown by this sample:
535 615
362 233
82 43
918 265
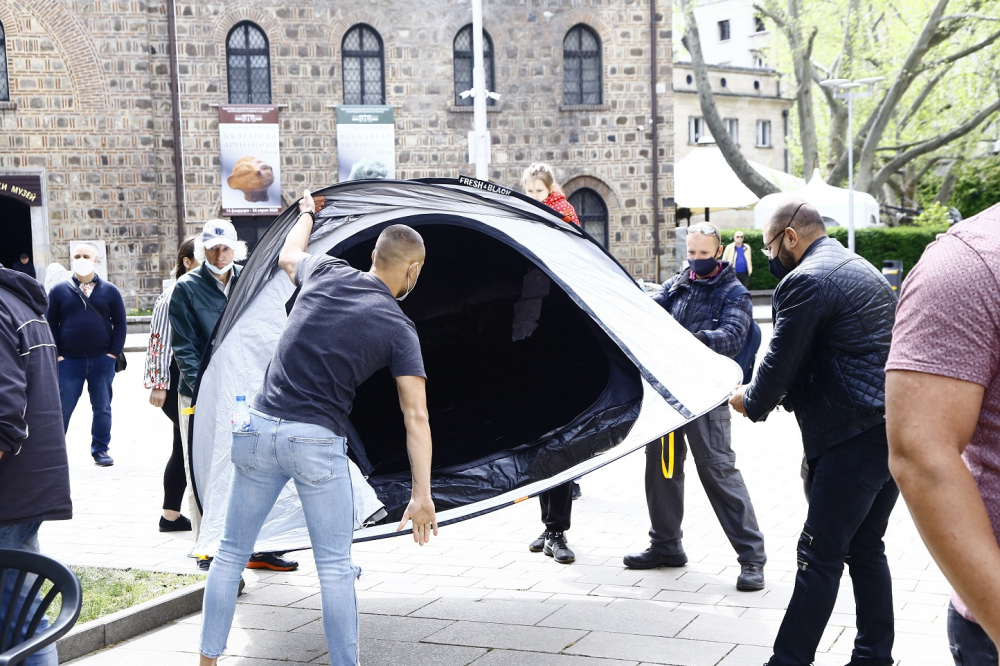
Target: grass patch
107 591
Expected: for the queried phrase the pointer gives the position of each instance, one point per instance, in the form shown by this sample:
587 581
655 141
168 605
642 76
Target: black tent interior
522 384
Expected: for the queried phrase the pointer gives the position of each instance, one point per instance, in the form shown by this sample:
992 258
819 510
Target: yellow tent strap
188 411
668 468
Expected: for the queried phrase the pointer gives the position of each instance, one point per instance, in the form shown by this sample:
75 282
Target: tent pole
706 214
479 93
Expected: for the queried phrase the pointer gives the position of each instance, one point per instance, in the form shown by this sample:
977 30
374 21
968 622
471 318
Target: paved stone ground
476 595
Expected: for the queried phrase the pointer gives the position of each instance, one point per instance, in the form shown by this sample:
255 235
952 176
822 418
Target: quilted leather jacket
833 317
195 308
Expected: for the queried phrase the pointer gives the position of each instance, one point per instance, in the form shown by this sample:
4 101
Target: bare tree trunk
948 184
749 176
802 47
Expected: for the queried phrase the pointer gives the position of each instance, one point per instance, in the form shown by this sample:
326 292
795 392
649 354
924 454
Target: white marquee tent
831 202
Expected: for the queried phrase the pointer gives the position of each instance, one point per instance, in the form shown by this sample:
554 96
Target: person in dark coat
24 265
34 472
708 301
833 318
87 317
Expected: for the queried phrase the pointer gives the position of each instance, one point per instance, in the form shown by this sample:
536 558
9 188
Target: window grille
363 56
248 65
723 30
696 127
593 213
464 63
582 67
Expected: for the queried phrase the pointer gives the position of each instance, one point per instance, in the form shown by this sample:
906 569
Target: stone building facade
89 114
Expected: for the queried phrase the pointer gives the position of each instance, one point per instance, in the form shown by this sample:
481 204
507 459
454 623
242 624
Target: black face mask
778 269
703 266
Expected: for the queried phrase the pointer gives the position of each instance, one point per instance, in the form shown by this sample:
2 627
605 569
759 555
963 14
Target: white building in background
748 92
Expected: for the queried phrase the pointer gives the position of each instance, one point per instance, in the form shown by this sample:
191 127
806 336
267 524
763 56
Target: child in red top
539 183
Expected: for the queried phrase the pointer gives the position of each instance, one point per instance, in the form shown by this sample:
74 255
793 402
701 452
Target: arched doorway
593 213
15 226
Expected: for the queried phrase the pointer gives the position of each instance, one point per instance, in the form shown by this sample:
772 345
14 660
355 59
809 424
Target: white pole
850 170
479 97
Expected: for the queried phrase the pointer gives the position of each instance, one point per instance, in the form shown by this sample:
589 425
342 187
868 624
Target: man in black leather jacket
833 317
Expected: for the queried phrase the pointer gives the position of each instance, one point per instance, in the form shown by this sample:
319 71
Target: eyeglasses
767 246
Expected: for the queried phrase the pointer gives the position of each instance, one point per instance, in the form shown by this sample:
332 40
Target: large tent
833 203
703 179
545 359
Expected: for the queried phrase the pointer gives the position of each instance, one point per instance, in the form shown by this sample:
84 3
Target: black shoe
538 544
751 578
577 492
103 460
181 524
272 561
239 590
204 563
650 559
556 548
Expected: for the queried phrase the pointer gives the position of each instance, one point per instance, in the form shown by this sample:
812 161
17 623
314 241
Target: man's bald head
398 247
85 251
799 215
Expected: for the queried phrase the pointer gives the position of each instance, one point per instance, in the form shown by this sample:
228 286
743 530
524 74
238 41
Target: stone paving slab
476 595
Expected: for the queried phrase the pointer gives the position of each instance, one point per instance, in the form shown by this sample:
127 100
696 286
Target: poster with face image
251 161
366 143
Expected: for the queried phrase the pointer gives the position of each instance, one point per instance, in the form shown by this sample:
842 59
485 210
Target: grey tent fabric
545 358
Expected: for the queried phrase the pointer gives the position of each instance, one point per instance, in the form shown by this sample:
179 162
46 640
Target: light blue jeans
24 536
264 459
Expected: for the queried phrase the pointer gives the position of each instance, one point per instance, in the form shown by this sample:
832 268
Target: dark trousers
98 372
709 439
557 507
970 645
744 279
850 498
174 479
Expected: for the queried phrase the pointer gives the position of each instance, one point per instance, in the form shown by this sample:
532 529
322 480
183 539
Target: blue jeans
264 459
970 645
98 372
24 536
851 495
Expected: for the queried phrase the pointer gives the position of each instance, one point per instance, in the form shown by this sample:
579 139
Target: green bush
934 215
876 244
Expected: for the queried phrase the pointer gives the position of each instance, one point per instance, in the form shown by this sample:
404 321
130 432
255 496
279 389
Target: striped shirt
159 353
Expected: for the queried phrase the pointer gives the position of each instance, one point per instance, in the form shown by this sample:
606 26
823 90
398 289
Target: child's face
536 189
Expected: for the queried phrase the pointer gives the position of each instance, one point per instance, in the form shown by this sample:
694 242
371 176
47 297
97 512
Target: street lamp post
849 90
479 137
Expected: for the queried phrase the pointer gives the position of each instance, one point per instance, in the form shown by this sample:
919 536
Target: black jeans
970 645
557 507
174 479
744 279
850 499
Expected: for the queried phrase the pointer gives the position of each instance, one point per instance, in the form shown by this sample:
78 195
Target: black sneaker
272 561
751 578
204 563
103 460
650 559
538 544
556 548
181 524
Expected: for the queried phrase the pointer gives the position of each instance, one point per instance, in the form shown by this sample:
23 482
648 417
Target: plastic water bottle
241 415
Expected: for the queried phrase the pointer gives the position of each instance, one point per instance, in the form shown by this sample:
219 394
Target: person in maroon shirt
943 419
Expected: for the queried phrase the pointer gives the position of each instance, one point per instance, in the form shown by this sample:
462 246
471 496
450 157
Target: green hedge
875 244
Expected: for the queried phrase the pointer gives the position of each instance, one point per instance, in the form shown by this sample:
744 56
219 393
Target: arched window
464 63
4 82
248 63
582 66
593 213
364 66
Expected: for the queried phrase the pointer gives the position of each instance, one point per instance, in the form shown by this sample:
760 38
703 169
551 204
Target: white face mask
83 267
408 287
219 271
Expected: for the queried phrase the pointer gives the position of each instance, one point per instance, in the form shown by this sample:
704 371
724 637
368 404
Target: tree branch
978 17
898 162
921 98
749 176
964 52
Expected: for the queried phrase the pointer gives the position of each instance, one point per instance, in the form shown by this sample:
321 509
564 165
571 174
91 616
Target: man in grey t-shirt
344 326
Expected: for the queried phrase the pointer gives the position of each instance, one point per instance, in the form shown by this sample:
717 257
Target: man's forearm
419 450
949 513
298 238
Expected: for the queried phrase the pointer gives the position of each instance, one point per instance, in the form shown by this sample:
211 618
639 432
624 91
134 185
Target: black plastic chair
18 564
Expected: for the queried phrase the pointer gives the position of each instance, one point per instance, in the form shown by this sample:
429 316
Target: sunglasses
704 229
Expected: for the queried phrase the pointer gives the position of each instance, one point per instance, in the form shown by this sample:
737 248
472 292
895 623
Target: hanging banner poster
366 142
251 162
